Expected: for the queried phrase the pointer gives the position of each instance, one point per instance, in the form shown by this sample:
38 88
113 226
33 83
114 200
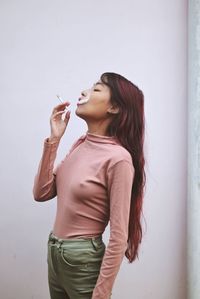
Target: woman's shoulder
120 154
78 141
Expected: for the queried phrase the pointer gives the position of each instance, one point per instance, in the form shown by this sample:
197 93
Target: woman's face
94 103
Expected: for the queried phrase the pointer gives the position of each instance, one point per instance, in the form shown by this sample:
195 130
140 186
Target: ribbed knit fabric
93 186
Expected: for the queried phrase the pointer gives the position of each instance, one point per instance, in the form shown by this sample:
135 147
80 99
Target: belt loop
59 244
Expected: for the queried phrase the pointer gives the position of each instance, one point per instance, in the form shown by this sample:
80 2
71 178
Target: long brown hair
128 126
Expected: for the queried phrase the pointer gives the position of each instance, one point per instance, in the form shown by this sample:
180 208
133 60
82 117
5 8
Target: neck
98 128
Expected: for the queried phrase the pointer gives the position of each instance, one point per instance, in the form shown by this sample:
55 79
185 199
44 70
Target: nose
85 92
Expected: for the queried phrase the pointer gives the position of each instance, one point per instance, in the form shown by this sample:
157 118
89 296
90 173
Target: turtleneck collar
101 138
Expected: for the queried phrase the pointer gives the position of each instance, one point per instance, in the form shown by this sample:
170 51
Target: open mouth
83 101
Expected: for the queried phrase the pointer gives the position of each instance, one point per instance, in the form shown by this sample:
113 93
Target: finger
60 106
58 113
67 117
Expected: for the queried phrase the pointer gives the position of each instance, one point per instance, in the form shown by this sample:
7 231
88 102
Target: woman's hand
58 125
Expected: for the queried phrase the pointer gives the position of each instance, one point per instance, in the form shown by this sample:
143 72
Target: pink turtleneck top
93 186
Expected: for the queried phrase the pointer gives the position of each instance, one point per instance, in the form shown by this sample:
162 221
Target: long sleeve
44 187
120 180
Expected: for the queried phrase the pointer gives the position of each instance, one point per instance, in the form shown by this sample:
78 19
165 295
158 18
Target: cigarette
60 99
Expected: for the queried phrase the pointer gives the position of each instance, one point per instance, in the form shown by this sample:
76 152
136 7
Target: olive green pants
73 266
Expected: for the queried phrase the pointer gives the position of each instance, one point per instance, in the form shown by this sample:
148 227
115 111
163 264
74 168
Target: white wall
50 47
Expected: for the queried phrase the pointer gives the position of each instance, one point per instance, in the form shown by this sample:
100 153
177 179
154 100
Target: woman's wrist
53 139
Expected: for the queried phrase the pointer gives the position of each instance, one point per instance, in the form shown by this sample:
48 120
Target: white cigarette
61 100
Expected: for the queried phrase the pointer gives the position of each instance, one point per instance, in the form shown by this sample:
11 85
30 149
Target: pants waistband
95 241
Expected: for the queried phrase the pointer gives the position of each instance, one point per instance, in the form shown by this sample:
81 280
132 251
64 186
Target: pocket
98 246
74 258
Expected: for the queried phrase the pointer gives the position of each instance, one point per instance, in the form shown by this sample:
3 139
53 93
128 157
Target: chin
79 114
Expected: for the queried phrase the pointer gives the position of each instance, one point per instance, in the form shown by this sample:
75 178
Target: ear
113 110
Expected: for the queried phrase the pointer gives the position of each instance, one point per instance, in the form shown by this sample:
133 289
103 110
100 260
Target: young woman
101 179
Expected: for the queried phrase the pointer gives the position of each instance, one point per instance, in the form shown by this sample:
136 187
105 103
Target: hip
77 252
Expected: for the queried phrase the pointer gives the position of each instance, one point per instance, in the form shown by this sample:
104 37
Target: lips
82 101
